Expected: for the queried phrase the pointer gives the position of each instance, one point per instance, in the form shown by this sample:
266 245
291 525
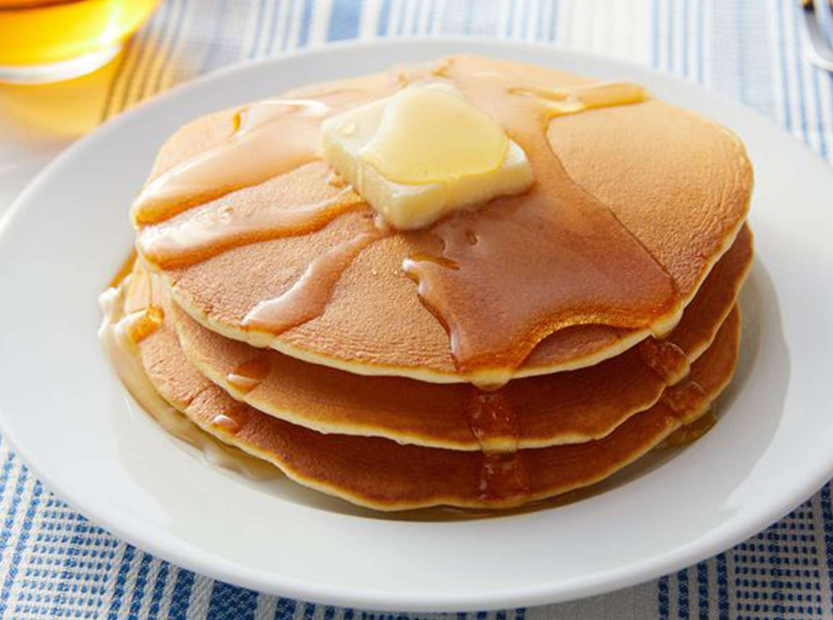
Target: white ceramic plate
69 418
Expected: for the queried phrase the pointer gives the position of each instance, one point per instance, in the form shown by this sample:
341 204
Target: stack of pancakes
500 356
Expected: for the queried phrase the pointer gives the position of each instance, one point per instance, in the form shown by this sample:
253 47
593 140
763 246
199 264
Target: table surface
54 563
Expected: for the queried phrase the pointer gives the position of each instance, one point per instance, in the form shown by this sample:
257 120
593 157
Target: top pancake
664 194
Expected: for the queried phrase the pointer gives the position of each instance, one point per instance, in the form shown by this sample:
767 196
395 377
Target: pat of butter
422 153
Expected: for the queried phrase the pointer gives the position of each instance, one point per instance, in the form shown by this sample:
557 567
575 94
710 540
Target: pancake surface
619 266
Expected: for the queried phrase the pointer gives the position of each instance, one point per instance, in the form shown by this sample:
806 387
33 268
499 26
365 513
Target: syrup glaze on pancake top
261 242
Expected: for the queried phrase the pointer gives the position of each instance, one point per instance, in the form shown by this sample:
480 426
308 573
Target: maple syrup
251 373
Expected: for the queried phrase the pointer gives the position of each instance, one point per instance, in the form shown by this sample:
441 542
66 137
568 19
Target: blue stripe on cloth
173 41
309 611
817 104
5 473
823 150
722 588
260 26
139 587
231 603
383 18
525 19
121 582
827 520
655 33
662 598
143 51
8 522
701 42
782 57
400 19
670 61
685 41
158 590
181 594
287 29
271 28
682 595
20 547
553 26
157 46
285 610
344 20
799 80
703 590
306 21
417 17
741 63
348 614
220 23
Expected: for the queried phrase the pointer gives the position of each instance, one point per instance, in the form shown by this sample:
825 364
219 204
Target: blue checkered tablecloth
54 563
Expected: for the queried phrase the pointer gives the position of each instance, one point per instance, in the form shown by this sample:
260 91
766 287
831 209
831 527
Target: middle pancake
562 408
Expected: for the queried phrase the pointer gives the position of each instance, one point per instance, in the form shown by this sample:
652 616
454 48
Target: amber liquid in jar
50 40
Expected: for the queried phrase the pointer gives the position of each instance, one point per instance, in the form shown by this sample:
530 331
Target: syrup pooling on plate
494 424
526 266
502 279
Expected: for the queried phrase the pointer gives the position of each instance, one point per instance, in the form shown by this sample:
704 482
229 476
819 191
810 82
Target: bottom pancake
382 474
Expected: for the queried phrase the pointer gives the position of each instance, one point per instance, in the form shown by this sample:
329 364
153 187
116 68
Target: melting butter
423 153
431 134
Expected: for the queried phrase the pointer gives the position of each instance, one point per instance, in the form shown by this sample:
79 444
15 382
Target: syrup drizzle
308 297
283 133
142 323
684 396
494 424
227 423
215 228
526 266
491 285
248 375
686 399
691 432
666 359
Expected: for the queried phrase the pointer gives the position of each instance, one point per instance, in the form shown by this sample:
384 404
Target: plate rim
190 557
